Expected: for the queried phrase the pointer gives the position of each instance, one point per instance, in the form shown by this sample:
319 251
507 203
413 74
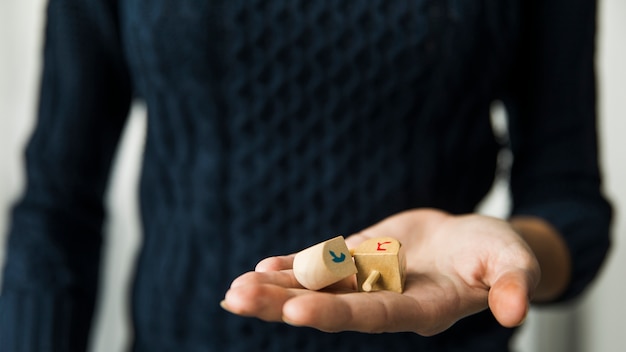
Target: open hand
456 266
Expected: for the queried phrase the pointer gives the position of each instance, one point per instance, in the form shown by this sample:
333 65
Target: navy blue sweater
275 124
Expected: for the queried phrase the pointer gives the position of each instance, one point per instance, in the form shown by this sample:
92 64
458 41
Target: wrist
551 253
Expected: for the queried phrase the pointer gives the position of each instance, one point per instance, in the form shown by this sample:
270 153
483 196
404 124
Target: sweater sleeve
552 108
53 249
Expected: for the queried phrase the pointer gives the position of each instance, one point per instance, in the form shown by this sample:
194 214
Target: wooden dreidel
381 265
323 264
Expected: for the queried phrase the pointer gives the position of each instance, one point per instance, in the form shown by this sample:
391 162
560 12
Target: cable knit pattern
272 125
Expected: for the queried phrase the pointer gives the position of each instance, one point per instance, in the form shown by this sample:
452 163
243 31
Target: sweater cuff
42 322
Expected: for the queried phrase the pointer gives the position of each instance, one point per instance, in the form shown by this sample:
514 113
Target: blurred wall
596 323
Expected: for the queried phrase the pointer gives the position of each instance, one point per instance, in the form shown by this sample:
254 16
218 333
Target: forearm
551 252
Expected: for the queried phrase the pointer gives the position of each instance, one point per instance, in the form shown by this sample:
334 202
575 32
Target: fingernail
225 306
289 322
525 317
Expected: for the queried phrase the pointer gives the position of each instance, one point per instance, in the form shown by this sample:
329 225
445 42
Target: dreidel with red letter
381 265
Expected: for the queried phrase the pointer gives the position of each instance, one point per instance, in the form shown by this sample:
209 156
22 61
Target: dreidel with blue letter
323 264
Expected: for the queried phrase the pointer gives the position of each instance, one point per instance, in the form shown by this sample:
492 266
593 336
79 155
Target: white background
595 323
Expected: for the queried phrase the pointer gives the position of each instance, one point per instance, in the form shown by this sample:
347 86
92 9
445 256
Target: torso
276 124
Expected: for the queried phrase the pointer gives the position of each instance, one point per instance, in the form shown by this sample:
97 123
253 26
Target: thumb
509 297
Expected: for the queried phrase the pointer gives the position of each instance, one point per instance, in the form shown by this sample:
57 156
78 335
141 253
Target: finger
275 263
345 285
262 301
509 298
283 278
386 227
381 311
354 240
400 226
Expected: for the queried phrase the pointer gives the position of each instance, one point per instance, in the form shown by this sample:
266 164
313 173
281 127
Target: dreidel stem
371 280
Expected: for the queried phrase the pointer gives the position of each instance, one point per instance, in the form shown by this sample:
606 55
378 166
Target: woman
277 124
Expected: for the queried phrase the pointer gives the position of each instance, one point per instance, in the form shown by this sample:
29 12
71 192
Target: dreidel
380 264
323 264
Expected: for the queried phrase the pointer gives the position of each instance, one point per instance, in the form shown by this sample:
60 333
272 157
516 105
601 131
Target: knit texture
274 125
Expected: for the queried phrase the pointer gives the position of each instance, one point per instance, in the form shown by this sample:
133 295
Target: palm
452 264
